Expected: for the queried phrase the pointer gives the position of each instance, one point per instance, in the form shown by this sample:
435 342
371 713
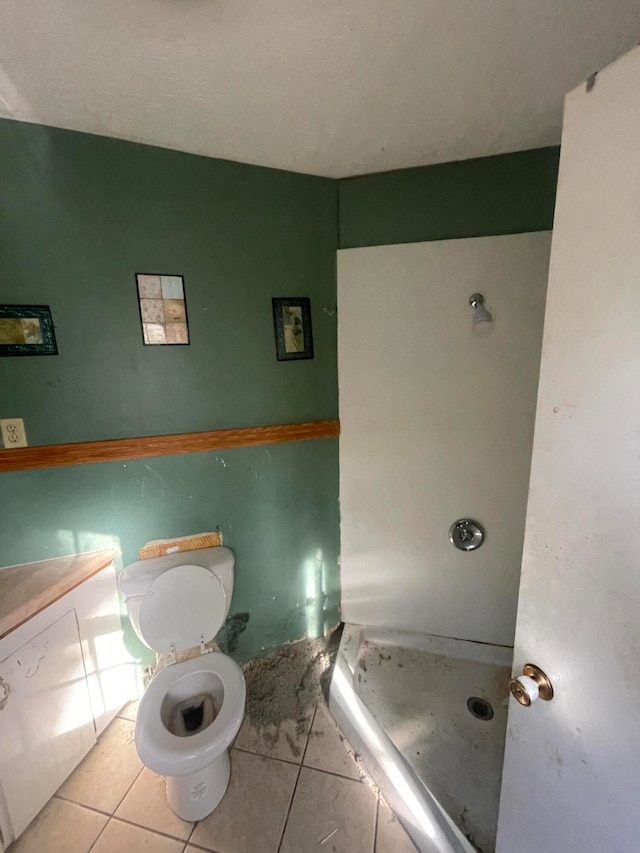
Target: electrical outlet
13 434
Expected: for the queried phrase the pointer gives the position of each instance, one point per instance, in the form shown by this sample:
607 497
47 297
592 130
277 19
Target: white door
46 724
571 779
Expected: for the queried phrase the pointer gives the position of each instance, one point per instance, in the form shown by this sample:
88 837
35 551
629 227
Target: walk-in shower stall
439 353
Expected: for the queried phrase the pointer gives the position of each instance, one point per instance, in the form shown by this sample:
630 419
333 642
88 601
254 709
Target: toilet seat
171 755
181 608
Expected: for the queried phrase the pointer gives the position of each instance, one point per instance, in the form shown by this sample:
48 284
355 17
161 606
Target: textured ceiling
329 87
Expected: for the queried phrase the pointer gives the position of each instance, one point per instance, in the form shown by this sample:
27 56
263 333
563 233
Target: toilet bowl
194 705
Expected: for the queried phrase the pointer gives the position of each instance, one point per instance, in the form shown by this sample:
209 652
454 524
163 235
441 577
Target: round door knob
524 690
531 685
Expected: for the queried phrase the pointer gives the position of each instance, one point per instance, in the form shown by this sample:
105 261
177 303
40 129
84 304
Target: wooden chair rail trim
116 450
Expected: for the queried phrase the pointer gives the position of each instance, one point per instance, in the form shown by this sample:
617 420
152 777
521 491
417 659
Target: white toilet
194 705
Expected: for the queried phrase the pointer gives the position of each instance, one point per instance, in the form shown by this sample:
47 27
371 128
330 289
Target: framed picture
163 309
26 330
292 323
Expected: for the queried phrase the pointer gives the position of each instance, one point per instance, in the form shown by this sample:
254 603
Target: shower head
480 313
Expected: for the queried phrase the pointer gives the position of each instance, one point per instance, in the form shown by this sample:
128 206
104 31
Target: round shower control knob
531 685
466 534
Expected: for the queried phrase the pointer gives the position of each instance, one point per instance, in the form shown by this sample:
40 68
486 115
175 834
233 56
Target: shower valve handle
531 685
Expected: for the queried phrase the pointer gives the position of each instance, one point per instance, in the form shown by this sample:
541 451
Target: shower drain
480 708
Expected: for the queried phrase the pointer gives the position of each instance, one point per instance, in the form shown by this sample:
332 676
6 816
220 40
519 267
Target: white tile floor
297 793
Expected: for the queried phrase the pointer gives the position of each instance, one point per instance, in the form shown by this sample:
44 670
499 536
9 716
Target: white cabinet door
112 674
571 780
46 723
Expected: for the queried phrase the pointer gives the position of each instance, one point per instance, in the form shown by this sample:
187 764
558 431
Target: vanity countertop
30 587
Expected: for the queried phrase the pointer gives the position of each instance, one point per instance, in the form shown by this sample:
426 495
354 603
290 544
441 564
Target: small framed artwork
26 330
292 324
163 309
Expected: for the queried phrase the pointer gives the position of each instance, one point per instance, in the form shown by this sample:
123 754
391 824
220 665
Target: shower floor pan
428 717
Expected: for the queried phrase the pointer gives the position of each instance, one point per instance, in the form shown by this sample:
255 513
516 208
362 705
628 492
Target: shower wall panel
437 424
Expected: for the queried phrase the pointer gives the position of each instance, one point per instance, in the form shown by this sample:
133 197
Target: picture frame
292 326
162 305
27 330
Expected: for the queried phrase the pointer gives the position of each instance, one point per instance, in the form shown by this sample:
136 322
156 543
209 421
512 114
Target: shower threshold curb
426 822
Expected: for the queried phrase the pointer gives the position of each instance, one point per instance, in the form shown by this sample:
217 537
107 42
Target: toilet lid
182 606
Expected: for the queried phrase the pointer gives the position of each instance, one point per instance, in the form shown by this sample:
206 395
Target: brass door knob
531 685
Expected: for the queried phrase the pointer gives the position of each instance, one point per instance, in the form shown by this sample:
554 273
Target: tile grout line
108 815
116 808
106 824
295 786
58 796
360 781
150 829
198 847
193 829
262 755
138 826
270 758
138 774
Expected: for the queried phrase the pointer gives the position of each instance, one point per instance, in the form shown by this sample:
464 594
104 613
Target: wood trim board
115 450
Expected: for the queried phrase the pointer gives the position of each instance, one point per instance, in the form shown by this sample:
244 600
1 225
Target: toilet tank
137 577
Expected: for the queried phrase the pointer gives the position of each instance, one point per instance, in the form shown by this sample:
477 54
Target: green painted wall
276 506
79 215
507 194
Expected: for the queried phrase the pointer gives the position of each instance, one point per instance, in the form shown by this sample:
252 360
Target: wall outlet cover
13 434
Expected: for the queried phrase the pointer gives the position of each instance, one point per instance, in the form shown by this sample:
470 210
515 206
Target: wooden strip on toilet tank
90 452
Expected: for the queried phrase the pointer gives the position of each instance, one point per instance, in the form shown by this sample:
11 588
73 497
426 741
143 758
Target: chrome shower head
480 313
